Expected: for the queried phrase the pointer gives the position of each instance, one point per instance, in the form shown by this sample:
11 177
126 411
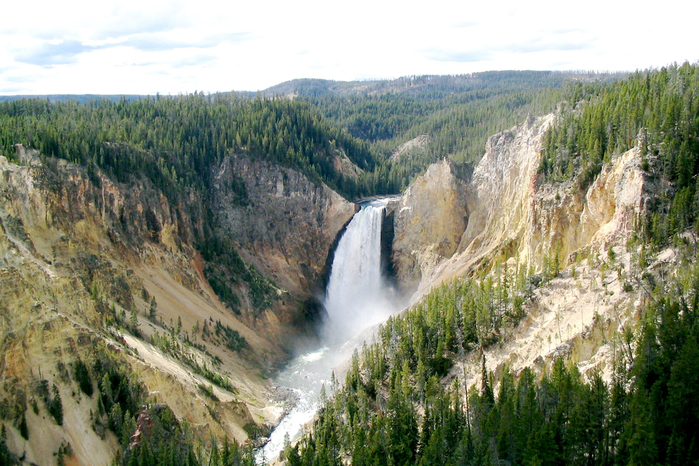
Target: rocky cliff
100 277
506 219
109 275
429 220
281 222
505 211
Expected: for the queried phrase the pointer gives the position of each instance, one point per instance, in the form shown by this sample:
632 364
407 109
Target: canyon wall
94 271
429 220
90 266
446 227
505 219
284 224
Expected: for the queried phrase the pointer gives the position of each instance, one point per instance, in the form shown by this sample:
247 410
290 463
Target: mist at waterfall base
357 297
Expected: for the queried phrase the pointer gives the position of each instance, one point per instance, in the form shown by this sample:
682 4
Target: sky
171 47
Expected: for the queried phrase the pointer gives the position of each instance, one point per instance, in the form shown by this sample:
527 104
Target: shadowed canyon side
504 220
101 278
285 226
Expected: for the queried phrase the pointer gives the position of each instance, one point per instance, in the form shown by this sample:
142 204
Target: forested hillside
395 407
403 400
175 141
455 113
178 143
106 246
656 110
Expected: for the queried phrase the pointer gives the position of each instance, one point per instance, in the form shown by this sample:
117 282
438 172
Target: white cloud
144 46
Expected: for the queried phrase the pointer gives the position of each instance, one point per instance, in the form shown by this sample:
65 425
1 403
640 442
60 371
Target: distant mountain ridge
417 84
80 98
431 85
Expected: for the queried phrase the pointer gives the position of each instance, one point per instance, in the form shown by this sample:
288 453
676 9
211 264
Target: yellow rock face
429 221
447 228
505 216
70 251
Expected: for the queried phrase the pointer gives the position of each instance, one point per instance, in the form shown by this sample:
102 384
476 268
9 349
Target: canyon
91 266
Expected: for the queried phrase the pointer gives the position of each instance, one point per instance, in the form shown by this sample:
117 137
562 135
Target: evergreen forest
398 405
656 111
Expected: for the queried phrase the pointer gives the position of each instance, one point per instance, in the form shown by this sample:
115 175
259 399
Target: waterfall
357 296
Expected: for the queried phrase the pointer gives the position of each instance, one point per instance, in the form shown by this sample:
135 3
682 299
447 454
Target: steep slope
285 226
430 219
562 330
105 303
507 222
546 336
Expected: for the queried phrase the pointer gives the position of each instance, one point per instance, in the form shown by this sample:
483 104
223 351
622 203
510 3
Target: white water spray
356 298
357 295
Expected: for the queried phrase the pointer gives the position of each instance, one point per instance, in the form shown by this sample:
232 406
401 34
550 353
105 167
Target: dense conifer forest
394 407
175 141
456 113
656 111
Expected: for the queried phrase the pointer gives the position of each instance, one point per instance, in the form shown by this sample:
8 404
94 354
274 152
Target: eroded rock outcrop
510 213
503 186
83 257
516 221
284 224
429 221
